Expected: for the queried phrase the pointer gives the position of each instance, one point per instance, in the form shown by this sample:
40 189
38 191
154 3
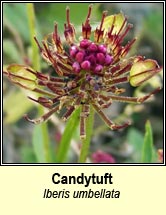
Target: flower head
88 72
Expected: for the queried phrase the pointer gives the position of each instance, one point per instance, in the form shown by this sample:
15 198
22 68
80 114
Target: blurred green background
20 138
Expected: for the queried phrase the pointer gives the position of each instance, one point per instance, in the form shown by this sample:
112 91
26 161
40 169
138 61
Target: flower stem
36 66
86 141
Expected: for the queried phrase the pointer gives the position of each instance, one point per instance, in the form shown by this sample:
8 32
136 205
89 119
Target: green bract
19 75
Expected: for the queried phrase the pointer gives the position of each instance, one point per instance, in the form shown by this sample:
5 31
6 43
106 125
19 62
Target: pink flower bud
108 60
73 51
80 56
102 48
85 65
100 58
85 43
92 59
93 47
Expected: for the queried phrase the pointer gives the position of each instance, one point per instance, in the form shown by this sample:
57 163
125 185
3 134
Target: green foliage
27 154
147 151
155 18
57 12
40 144
143 147
33 32
40 134
68 133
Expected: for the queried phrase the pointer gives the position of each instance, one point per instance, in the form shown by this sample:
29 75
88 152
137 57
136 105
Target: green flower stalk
89 72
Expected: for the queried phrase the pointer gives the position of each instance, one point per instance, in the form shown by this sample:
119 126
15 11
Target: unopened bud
85 65
108 59
100 58
102 48
93 47
80 56
85 43
73 51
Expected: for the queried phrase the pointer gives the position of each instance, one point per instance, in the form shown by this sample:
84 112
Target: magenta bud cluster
90 56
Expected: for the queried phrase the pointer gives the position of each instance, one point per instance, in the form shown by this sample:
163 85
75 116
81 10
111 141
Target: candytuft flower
89 72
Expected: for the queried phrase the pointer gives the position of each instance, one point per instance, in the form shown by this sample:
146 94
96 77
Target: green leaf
70 129
38 144
20 76
33 32
41 141
27 154
148 150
